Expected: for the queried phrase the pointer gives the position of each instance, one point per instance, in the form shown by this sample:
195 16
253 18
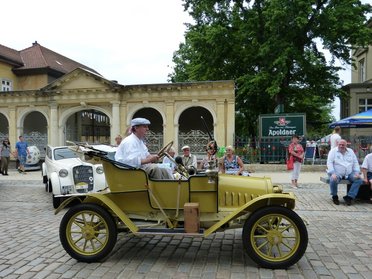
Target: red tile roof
10 55
39 57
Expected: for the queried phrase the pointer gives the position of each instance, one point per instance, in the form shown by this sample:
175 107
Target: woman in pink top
296 151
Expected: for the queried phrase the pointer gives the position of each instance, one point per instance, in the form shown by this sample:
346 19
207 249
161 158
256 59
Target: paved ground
340 241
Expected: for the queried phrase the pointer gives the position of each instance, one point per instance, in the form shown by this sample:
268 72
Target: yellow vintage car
273 235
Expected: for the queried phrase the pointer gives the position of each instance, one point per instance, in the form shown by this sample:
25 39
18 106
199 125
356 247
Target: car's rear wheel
88 232
275 237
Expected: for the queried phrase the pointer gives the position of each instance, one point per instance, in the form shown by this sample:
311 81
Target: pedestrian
296 152
22 152
335 137
5 156
231 163
133 151
342 163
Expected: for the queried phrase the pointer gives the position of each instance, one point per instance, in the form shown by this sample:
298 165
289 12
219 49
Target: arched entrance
193 132
35 131
154 138
90 126
4 127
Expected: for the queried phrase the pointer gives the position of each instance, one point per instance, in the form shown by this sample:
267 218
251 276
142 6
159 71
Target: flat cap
185 147
139 121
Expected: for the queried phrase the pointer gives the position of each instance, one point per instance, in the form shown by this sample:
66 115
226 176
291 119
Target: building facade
57 103
360 89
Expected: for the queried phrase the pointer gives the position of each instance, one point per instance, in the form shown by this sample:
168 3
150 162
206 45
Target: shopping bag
290 163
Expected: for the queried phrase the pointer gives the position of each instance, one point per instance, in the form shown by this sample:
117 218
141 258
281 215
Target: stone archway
4 127
90 126
192 130
154 138
35 130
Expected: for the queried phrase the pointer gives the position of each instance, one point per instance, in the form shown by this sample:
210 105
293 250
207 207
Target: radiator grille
83 174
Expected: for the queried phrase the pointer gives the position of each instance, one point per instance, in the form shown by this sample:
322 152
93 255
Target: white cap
139 121
185 147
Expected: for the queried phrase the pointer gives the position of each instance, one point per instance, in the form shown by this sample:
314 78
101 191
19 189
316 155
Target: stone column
220 125
168 128
13 131
54 136
115 124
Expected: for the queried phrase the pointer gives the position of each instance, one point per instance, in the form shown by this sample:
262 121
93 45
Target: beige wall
80 90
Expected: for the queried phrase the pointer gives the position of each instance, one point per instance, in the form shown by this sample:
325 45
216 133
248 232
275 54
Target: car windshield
64 153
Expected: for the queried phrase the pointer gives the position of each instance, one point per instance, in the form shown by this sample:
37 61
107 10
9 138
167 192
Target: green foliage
271 49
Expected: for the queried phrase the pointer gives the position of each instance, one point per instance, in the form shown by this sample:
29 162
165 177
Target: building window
362 70
365 104
6 85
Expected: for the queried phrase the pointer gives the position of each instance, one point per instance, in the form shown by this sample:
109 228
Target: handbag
290 163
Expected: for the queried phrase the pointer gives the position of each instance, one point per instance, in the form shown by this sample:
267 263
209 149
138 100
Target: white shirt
342 164
172 165
367 163
334 139
131 150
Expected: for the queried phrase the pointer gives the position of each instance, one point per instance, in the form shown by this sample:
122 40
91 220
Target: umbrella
359 120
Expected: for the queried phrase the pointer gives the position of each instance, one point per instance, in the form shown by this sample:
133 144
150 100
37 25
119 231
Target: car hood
71 162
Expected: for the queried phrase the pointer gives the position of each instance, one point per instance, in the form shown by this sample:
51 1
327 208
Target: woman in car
231 163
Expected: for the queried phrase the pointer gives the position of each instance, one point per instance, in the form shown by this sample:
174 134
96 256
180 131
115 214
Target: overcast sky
131 41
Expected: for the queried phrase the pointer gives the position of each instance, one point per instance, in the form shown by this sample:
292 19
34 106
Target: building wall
81 90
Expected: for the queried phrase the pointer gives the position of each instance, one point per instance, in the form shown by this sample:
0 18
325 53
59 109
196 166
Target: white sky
131 41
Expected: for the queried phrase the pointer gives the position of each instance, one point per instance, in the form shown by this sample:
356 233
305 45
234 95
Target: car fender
285 199
56 187
44 170
107 202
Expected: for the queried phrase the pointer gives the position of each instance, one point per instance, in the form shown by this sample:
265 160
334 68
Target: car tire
275 237
81 236
50 187
56 202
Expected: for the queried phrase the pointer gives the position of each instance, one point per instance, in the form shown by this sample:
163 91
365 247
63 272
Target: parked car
65 172
197 205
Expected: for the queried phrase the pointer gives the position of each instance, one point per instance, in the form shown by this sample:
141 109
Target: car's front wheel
88 232
275 237
56 201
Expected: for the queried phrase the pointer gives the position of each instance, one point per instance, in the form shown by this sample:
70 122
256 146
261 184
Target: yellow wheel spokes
87 232
275 237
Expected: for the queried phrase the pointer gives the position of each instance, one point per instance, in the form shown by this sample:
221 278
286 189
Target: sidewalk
285 177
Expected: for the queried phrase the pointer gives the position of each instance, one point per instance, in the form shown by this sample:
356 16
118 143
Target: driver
133 152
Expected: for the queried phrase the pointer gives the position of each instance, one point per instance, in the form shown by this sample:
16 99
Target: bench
364 193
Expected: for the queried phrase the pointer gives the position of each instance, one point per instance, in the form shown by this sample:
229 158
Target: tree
275 52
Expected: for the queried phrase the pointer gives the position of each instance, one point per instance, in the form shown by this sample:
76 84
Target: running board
164 231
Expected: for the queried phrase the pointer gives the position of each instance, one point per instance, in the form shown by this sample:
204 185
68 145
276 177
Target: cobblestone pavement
340 242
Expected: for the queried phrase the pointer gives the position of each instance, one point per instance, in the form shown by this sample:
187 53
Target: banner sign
282 125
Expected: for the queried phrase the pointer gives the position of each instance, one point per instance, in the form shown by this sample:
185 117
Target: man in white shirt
133 152
367 169
343 164
335 137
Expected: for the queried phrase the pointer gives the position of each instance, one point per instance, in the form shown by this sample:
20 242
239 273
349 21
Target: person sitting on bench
367 169
343 164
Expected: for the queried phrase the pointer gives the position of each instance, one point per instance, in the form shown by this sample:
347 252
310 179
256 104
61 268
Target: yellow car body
140 205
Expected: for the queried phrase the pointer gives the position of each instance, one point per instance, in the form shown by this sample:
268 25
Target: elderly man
133 152
343 164
188 159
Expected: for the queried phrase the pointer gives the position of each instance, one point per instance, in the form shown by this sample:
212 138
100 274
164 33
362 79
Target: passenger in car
133 151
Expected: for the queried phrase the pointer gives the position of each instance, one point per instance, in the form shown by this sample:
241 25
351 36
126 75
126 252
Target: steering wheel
164 151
